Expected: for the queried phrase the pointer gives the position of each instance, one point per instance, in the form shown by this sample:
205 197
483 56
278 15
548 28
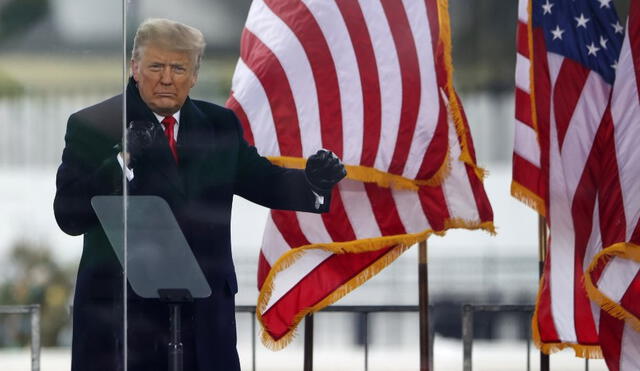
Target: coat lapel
166 164
195 141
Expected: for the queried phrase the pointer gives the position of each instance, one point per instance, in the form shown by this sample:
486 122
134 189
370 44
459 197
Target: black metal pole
366 341
308 343
467 336
423 288
253 341
175 345
542 253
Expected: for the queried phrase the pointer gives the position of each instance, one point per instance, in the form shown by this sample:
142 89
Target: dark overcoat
215 163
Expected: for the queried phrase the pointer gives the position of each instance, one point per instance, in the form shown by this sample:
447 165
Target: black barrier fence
469 312
33 311
363 310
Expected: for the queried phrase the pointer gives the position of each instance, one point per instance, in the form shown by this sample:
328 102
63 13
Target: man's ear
134 69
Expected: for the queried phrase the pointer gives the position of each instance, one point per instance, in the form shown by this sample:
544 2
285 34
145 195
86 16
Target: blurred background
58 56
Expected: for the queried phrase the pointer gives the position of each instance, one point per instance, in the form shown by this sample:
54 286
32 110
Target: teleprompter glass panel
177 155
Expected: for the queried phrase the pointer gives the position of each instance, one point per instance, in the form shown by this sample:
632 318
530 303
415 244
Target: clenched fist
324 169
140 136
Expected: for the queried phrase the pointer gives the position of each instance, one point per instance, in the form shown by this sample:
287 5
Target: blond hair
169 35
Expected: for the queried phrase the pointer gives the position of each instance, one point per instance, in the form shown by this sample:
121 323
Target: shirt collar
175 116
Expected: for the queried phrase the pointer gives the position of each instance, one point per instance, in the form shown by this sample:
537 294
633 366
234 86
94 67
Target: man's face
164 78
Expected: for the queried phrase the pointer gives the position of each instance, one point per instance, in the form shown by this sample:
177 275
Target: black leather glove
324 169
140 135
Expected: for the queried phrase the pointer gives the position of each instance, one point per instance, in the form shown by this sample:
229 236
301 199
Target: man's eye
155 67
179 69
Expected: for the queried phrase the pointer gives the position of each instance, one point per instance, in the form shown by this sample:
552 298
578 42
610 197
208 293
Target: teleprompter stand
158 261
175 298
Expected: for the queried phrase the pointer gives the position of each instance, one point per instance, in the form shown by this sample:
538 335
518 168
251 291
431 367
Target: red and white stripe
625 116
616 272
367 80
318 79
572 197
527 152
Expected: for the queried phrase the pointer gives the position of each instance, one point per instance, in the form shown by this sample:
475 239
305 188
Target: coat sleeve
89 167
275 187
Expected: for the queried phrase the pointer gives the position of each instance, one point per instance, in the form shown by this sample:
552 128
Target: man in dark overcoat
193 155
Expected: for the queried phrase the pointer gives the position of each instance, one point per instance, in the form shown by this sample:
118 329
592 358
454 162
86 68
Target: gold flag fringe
582 351
443 172
527 197
461 223
481 172
370 175
623 250
454 103
400 242
532 93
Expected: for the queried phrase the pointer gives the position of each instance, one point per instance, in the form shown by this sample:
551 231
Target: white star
615 65
582 21
546 7
604 3
557 33
593 49
603 42
617 27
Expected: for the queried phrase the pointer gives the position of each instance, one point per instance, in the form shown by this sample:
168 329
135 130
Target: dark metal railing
34 312
467 328
252 310
467 332
364 310
468 311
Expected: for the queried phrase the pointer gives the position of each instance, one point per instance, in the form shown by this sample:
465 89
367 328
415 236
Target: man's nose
166 77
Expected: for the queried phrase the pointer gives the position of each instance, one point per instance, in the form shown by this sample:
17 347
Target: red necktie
169 124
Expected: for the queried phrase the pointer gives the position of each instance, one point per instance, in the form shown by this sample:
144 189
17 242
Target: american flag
371 81
613 278
566 65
